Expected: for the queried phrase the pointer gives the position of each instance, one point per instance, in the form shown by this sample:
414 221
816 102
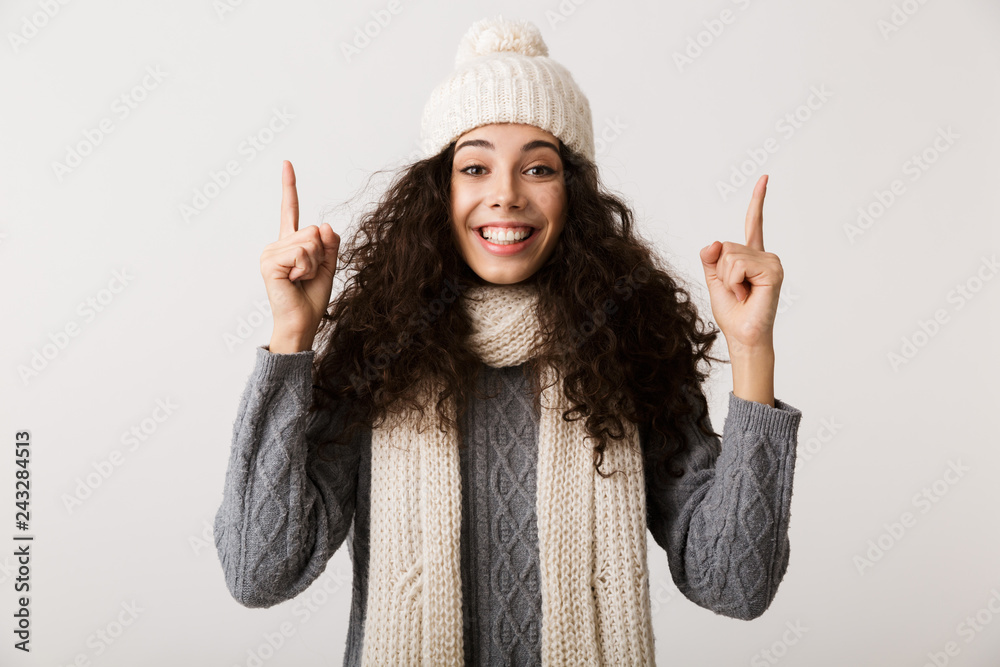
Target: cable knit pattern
272 522
730 510
723 525
501 575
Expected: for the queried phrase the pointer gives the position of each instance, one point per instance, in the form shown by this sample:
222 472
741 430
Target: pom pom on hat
496 34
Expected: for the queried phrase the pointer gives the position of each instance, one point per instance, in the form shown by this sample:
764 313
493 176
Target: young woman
506 395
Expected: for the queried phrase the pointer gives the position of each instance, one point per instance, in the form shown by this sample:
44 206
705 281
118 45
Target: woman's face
507 178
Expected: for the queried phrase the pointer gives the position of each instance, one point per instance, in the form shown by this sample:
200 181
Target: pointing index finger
289 201
755 216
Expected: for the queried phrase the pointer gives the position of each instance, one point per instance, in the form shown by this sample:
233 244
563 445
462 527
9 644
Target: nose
507 192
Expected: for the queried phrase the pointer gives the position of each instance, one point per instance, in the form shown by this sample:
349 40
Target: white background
873 435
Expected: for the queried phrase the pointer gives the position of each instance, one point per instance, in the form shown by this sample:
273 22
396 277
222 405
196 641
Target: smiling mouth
508 238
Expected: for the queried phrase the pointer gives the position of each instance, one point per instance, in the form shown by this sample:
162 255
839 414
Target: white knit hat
503 75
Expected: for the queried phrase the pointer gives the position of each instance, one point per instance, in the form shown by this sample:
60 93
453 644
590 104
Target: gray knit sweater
723 525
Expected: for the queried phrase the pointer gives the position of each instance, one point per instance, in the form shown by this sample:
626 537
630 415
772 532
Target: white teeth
503 237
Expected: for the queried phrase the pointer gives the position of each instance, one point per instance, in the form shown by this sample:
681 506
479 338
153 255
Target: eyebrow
531 145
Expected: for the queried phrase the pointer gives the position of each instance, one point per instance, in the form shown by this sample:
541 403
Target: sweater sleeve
724 523
284 511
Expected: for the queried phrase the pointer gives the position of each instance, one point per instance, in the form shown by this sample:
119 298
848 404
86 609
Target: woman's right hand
298 273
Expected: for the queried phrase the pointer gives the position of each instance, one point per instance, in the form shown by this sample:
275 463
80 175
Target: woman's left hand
744 282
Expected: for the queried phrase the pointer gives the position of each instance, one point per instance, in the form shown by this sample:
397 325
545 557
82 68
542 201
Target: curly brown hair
613 317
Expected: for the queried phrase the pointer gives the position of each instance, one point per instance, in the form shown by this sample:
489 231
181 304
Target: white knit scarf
591 530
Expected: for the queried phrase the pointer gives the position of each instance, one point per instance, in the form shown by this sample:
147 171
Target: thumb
709 257
331 245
